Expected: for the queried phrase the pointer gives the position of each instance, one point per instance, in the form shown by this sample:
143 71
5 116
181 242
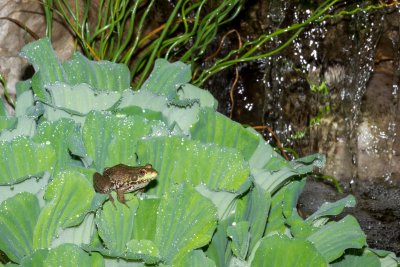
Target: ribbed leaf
335 237
7 123
69 197
219 249
48 70
143 250
332 209
18 216
167 77
25 127
362 257
57 134
115 225
182 117
185 221
214 127
272 180
35 259
111 140
80 99
101 75
279 250
218 167
22 158
144 225
240 236
254 208
72 255
196 258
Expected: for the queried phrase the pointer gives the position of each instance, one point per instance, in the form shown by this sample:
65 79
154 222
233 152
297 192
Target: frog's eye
142 172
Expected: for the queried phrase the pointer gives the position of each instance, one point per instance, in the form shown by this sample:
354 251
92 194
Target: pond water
334 91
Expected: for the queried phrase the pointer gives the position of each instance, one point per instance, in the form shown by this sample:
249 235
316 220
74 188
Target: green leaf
58 134
22 158
335 237
72 255
7 123
254 208
239 233
111 140
48 70
363 257
218 167
214 127
144 225
80 99
219 250
69 198
185 221
273 180
202 97
167 77
332 209
143 250
101 75
35 259
276 221
34 186
18 216
279 250
184 118
196 258
292 194
115 226
25 127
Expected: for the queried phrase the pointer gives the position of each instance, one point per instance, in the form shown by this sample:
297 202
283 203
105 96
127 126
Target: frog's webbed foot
121 197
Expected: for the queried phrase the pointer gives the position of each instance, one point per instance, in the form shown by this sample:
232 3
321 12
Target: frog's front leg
121 197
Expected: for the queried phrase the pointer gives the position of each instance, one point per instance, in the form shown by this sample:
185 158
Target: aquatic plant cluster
223 196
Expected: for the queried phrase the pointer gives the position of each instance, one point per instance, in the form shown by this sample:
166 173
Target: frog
123 179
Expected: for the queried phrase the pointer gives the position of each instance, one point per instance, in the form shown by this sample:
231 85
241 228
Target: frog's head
146 174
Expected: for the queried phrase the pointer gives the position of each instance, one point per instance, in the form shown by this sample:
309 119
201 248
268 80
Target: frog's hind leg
121 197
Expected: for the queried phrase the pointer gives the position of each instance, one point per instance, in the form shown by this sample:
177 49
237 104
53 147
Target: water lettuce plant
223 196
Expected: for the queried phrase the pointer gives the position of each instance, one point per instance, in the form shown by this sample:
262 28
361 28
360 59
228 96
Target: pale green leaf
22 158
363 257
254 208
18 216
279 250
48 69
335 237
72 255
57 134
184 118
196 258
35 259
7 123
240 236
214 127
24 104
77 235
80 99
111 140
101 75
34 186
181 160
143 250
332 209
167 77
25 127
219 250
185 221
144 225
115 226
69 198
223 200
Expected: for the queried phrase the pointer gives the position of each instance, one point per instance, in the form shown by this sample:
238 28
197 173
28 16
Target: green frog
123 179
